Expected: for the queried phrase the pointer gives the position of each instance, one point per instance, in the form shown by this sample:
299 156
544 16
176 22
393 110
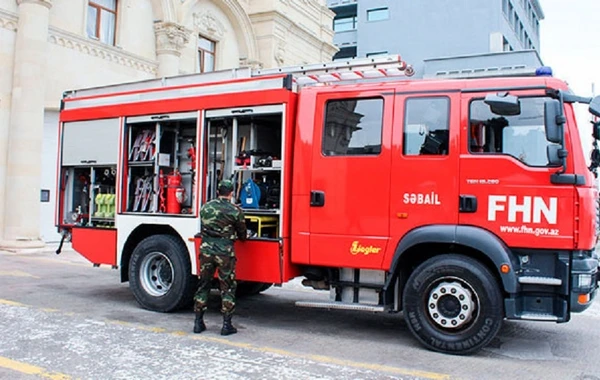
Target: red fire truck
458 202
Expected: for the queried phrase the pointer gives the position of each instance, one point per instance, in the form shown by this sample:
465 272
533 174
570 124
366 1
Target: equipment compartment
161 164
88 196
245 146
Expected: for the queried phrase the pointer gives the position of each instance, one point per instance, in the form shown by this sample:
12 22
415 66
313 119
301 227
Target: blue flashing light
543 71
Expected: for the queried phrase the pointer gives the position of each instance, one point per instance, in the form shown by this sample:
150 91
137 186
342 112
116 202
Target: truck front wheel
453 304
160 274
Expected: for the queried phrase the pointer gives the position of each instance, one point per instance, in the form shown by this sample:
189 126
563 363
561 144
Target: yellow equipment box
264 225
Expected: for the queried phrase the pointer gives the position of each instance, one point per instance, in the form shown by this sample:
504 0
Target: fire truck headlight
584 281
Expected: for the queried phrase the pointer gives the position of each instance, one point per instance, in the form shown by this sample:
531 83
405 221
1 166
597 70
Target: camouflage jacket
221 223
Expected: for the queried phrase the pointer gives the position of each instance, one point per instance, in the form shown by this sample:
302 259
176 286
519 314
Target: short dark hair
224 190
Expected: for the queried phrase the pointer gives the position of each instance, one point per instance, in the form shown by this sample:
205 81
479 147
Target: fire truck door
350 184
505 179
425 163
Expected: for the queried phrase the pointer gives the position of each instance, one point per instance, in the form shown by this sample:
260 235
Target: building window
378 14
101 20
505 7
353 127
345 53
426 126
344 24
506 45
377 53
206 55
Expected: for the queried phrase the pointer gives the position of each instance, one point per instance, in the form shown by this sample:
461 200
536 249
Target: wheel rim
156 274
452 304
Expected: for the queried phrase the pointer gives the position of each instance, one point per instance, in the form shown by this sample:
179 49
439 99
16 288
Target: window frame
373 10
382 125
405 119
503 154
354 23
201 53
99 8
377 53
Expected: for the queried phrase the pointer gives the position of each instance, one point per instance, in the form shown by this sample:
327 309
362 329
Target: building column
170 39
25 135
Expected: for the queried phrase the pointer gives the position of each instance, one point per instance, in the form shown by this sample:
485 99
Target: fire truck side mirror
503 104
555 153
596 130
595 106
553 120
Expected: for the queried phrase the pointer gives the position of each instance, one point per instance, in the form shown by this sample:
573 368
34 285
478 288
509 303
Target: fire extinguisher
175 193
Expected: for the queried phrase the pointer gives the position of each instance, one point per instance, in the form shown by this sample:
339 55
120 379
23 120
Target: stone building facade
51 46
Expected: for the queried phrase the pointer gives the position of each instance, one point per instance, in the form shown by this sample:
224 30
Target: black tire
248 288
160 274
458 292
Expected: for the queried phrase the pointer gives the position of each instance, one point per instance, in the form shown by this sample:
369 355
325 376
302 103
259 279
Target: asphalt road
63 319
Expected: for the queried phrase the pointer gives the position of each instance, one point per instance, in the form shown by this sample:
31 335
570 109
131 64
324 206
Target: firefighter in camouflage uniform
221 224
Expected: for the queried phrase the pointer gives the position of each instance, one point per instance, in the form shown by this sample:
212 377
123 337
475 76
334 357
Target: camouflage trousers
225 266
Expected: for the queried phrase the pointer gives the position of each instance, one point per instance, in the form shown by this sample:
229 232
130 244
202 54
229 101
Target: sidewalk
49 248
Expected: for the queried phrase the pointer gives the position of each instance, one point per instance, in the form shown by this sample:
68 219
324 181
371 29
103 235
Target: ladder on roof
344 70
319 73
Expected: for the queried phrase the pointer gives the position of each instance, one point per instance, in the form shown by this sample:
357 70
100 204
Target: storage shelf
98 219
140 163
260 211
157 213
249 169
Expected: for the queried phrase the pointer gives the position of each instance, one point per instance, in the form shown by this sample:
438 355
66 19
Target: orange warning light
583 299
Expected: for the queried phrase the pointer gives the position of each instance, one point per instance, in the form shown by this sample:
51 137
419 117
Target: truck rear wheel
452 304
160 274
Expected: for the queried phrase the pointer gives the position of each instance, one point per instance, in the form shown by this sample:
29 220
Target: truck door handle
317 198
467 203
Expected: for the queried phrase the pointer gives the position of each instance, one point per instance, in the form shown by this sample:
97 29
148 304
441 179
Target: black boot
199 325
227 328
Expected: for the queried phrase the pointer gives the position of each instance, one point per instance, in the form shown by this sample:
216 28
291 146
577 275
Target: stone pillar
170 39
25 136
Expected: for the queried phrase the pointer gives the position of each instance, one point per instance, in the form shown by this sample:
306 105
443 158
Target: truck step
539 317
340 305
535 280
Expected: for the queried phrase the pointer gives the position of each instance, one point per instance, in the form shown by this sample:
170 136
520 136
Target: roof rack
492 72
335 71
344 70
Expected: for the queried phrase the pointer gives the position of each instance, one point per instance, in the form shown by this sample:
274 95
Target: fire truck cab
458 202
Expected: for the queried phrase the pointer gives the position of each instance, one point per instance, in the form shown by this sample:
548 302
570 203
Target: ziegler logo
357 248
